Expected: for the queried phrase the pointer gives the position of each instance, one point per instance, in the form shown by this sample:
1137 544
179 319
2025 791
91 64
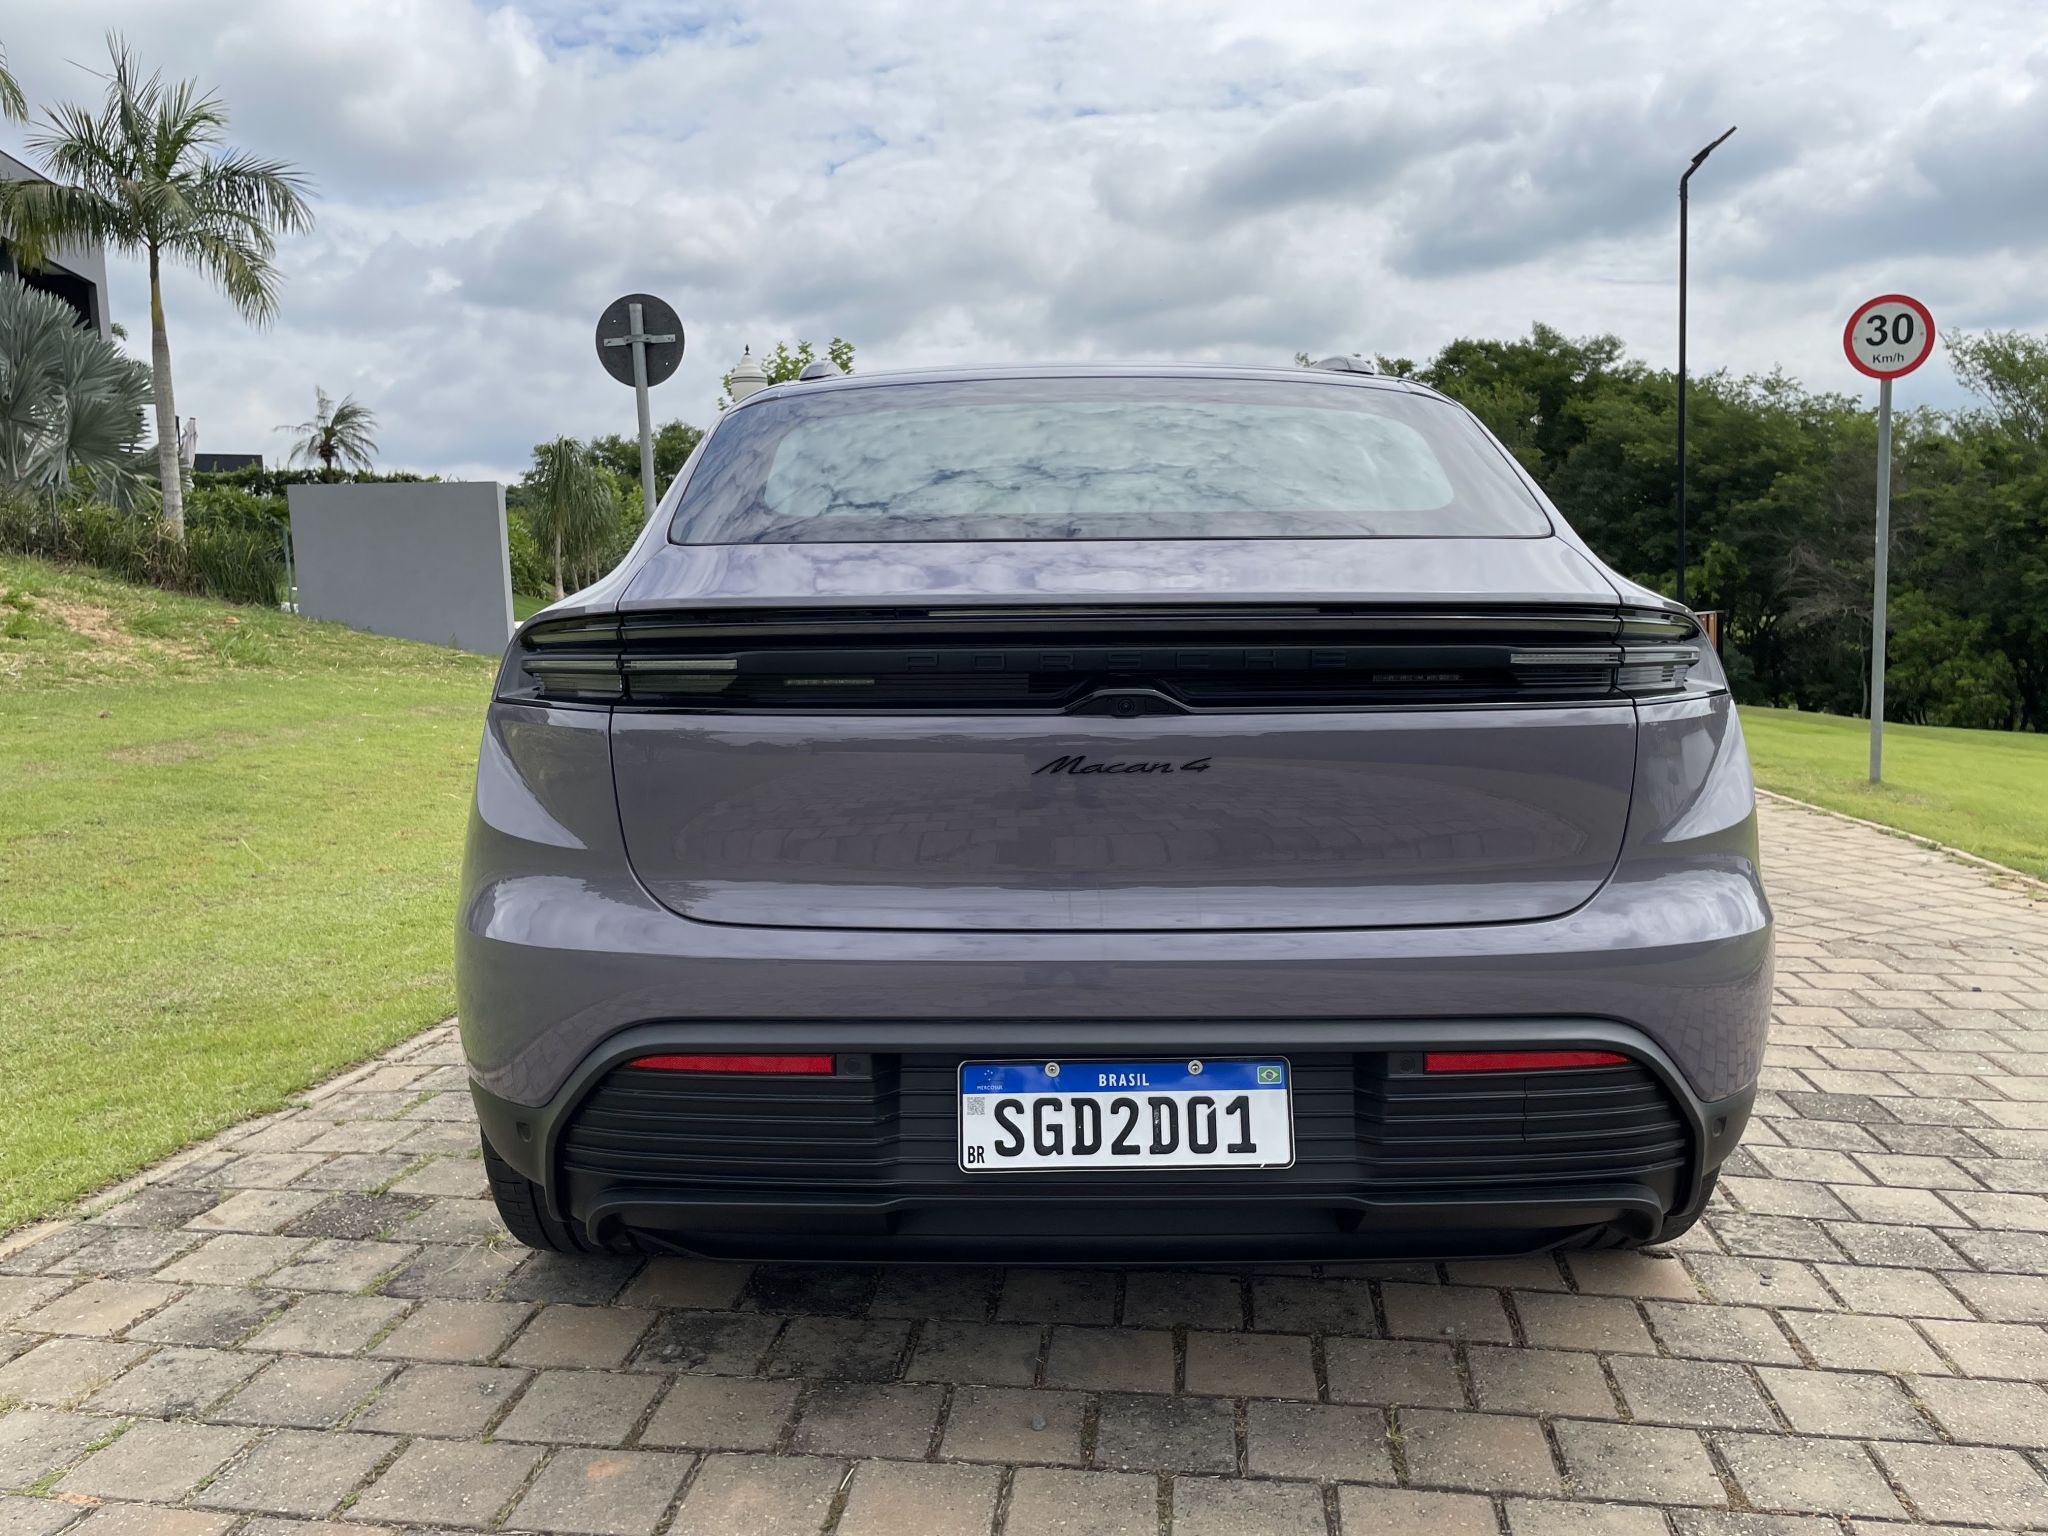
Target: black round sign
657 320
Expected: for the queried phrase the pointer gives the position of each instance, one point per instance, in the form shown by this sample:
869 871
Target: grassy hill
1982 791
228 854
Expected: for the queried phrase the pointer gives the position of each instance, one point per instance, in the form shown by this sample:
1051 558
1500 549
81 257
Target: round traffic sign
660 329
1889 336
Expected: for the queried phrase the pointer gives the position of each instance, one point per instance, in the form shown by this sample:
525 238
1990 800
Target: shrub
227 506
217 559
529 569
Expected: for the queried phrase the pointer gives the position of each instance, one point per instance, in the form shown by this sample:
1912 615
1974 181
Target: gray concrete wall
424 562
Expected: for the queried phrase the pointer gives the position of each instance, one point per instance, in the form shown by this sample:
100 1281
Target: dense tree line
1780 500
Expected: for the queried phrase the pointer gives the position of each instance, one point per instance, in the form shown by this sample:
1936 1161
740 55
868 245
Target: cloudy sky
947 182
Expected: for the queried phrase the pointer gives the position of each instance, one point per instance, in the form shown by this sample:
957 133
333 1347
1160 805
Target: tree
68 399
2009 369
674 442
335 435
786 362
13 105
570 502
148 174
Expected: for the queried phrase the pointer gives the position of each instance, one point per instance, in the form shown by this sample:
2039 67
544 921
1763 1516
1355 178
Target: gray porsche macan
1110 815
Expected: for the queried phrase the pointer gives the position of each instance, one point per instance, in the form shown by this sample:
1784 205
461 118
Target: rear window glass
1101 458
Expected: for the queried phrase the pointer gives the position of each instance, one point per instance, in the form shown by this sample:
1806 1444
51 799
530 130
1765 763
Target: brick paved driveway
316 1318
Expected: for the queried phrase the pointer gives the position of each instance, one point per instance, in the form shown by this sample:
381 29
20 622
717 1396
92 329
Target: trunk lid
1224 735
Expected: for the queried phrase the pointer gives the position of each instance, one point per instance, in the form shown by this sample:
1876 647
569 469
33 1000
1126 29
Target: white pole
1884 542
640 400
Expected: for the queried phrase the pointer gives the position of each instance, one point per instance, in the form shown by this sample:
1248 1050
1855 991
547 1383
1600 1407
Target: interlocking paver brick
2016 1350
1542 1517
454 1330
329 1325
1747 1334
976 1354
151 1520
685 1283
98 1308
1215 1506
1804 1475
1895 1292
1325 1441
1869 1407
1063 1503
1140 1432
577 1280
599 1337
580 1407
302 1392
1540 1381
603 1493
1985 1412
1759 1282
1704 1394
154 1461
723 1343
1397 1509
960 1294
1169 1298
253 1210
1014 1425
232 1258
209 1317
761 1495
1477 1451
452 1273
33 1517
1639 1463
893 1499
1968 1484
446 1482
721 1413
1289 1304
174 1383
433 1399
1631 1274
868 1419
340 1264
126 1253
1607 1323
1848 1343
1446 1312
839 1349
1058 1296
810 1290
36 1441
1393 1372
1111 1359
298 1472
1249 1365
59 1371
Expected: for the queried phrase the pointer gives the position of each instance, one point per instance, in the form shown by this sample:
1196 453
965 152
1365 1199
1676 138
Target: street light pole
1698 160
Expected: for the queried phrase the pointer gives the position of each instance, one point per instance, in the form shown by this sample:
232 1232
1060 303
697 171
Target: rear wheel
523 1207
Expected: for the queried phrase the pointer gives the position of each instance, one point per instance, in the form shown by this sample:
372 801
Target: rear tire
523 1207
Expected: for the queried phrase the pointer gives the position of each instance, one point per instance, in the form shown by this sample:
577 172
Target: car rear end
1064 815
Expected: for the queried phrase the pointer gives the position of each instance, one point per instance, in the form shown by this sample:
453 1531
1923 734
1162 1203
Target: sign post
640 342
1885 339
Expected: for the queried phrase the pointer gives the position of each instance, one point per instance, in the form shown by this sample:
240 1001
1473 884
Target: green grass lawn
1985 792
228 850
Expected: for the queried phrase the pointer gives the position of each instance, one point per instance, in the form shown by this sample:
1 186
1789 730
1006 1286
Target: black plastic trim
526 1136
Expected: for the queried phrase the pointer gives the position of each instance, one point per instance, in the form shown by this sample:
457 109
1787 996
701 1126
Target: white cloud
952 181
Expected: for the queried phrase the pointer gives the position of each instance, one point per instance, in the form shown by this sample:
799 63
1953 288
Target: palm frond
13 105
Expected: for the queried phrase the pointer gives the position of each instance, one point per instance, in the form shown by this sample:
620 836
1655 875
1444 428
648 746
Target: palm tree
68 399
148 174
568 502
336 435
13 105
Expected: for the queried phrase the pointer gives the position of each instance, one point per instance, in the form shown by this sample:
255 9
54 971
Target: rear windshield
1101 458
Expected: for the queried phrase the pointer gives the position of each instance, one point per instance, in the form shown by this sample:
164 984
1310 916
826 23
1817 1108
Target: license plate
1083 1116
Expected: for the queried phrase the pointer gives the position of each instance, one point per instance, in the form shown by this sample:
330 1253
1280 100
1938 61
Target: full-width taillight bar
1518 1061
795 1066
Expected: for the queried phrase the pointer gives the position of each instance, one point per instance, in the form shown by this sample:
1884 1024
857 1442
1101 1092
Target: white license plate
1084 1116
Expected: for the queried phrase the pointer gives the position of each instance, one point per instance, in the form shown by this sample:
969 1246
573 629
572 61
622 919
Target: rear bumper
908 1203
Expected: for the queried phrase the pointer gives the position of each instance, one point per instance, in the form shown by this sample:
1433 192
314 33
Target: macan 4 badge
1077 763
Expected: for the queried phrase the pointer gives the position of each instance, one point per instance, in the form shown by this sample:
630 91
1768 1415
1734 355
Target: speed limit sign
1889 337
1886 338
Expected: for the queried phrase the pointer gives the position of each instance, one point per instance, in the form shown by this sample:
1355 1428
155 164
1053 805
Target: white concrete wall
424 562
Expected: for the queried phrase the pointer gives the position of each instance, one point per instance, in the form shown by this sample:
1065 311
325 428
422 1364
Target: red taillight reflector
1517 1061
803 1066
